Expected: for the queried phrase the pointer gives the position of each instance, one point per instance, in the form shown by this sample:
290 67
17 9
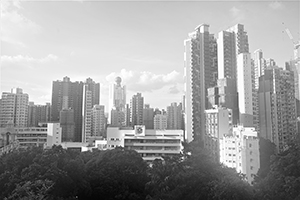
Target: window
251 167
250 152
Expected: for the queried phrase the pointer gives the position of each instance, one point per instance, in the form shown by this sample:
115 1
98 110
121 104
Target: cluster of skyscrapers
231 95
136 112
75 105
231 98
221 72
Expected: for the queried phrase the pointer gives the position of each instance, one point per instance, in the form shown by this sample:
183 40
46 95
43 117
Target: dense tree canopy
122 174
283 178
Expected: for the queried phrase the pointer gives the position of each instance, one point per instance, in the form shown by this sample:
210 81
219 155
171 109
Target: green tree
63 167
117 174
283 179
194 175
11 166
267 149
37 190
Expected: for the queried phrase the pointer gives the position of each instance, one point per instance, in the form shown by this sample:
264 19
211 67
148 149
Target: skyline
135 40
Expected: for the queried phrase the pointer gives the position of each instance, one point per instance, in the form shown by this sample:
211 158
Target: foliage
122 174
117 174
283 179
195 176
267 149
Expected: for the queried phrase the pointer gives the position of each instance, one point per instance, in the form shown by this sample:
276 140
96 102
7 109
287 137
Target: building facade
277 107
14 108
200 72
54 135
160 121
136 109
218 124
240 150
91 96
248 104
174 113
98 121
148 117
231 43
38 113
67 123
259 66
28 136
150 144
225 95
65 95
117 103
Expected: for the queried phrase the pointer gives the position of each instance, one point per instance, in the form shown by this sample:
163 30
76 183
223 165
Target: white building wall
115 137
245 89
221 56
53 134
150 144
188 107
241 151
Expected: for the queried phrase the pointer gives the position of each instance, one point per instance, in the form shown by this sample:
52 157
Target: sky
140 41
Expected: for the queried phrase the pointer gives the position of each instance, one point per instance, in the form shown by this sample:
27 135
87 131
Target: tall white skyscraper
117 103
246 91
226 55
231 43
14 108
240 38
200 69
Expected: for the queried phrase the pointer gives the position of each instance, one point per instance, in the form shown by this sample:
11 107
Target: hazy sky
43 41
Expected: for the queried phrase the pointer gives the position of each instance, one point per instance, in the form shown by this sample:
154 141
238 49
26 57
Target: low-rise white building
31 136
150 144
240 150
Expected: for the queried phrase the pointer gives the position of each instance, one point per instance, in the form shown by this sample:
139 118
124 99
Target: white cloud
237 14
14 25
44 98
276 5
174 89
20 59
145 81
